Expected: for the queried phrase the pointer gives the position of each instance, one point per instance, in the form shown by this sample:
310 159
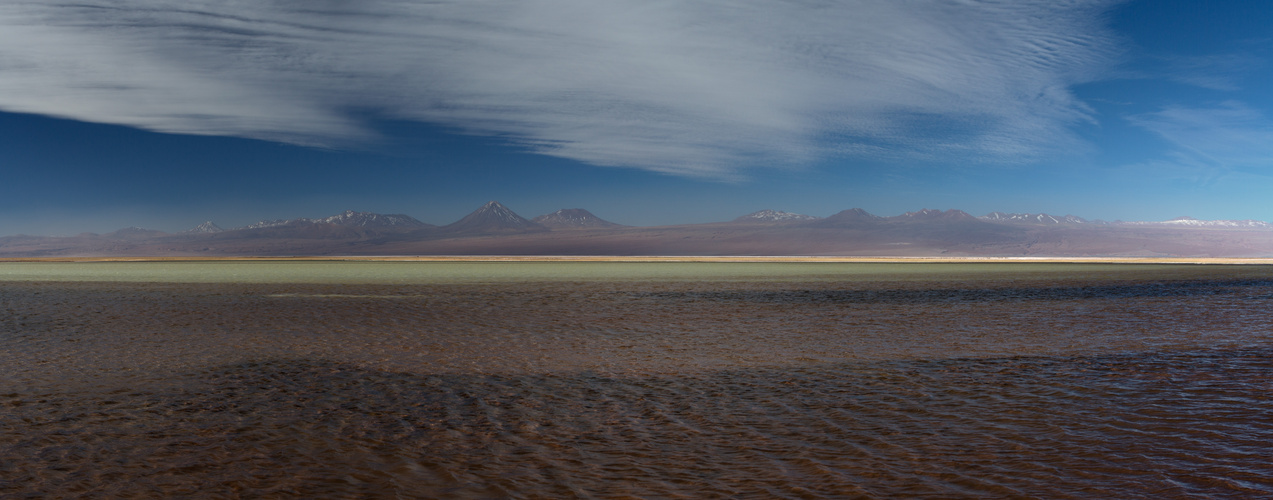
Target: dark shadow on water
1152 425
930 295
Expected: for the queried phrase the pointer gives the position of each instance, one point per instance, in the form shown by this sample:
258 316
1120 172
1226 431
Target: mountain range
494 229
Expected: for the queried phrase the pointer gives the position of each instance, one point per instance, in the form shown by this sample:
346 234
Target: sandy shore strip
658 258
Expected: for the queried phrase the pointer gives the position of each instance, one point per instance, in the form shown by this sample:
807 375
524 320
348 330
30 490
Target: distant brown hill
494 229
853 217
492 218
572 218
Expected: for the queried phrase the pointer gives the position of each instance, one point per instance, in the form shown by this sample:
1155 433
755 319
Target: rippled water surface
490 380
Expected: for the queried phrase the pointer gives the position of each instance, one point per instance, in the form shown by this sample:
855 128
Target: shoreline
660 258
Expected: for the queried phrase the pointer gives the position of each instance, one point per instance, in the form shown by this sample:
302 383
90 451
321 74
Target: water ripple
1136 426
1010 387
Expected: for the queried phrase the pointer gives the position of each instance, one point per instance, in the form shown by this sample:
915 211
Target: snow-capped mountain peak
497 210
274 223
370 219
1192 222
933 214
774 216
1034 218
206 227
347 218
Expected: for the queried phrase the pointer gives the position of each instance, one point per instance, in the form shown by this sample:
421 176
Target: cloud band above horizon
706 89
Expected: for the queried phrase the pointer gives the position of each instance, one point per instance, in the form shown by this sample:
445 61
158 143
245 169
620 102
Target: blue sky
164 114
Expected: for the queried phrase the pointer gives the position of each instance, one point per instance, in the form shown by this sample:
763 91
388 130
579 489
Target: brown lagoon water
657 380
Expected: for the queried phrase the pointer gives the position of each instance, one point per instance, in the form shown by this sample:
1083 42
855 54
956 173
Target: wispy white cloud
1221 72
1228 135
702 88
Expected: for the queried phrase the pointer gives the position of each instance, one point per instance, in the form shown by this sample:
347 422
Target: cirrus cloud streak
704 88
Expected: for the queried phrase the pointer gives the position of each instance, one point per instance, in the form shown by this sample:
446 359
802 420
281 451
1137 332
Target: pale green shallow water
347 272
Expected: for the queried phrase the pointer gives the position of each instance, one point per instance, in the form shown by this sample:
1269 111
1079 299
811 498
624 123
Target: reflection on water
1123 384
